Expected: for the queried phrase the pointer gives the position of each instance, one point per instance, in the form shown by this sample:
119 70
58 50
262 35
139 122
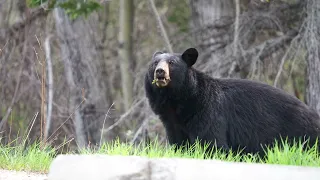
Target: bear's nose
160 72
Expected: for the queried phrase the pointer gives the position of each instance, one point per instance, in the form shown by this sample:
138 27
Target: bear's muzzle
161 74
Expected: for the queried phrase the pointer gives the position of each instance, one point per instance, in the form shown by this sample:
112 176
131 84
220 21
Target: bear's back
260 112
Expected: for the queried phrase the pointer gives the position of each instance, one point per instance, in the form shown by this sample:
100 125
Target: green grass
30 159
37 160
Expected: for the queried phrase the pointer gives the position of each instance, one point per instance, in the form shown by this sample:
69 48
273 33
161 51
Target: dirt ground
21 175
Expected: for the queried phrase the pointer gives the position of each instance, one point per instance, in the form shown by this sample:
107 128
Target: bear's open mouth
161 74
161 81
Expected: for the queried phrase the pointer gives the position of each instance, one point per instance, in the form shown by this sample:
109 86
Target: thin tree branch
236 28
104 121
65 120
122 117
34 119
282 62
144 123
3 47
235 38
163 31
5 118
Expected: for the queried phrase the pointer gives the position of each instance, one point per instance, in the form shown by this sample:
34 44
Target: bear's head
170 70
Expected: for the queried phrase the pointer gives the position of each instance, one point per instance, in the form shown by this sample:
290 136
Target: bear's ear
156 53
190 56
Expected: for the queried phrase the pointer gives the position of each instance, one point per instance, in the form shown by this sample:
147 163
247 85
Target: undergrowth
37 158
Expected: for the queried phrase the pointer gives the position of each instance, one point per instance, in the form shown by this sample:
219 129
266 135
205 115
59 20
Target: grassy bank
35 159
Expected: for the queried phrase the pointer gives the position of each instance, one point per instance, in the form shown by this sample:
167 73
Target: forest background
73 70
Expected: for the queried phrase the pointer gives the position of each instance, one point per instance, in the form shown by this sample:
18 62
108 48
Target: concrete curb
104 167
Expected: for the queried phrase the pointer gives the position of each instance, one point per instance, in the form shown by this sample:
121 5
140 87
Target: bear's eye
171 61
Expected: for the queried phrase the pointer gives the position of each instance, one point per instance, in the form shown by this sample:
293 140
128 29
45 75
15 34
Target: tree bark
313 55
83 70
125 51
70 53
215 18
48 123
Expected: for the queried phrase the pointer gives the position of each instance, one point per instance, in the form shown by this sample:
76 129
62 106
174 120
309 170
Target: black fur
233 113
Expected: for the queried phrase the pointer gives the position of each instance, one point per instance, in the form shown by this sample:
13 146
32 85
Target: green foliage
30 159
294 154
74 8
180 15
35 3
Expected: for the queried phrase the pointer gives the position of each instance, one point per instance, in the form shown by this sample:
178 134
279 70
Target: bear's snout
161 74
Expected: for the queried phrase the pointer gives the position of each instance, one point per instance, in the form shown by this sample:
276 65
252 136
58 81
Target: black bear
231 113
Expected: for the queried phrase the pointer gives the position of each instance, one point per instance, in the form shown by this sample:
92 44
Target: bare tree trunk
82 66
125 51
10 15
71 58
48 124
214 18
84 73
313 55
